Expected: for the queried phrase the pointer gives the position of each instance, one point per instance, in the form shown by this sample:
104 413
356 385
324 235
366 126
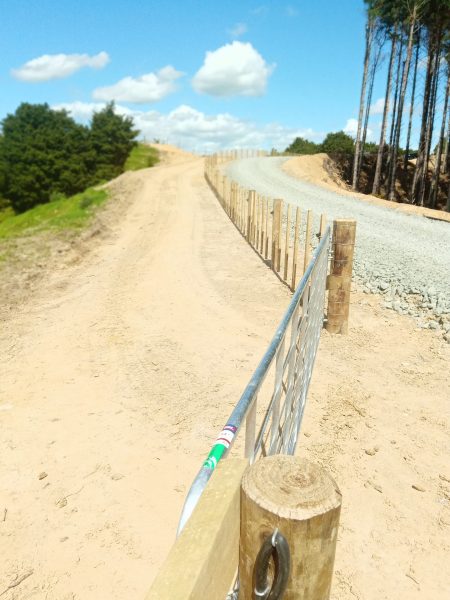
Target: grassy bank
142 157
63 213
67 213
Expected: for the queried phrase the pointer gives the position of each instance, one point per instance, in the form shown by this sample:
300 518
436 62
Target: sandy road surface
118 376
115 383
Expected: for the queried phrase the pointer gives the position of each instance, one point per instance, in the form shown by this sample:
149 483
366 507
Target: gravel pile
405 258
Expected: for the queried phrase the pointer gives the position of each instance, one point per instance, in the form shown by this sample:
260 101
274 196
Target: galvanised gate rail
273 402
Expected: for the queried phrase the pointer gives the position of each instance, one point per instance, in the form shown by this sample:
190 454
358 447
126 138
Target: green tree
44 151
113 137
338 143
302 146
2 170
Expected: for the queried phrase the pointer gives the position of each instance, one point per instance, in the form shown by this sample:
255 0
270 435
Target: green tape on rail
214 456
222 444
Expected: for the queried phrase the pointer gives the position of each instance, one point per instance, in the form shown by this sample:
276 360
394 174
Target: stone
418 488
372 451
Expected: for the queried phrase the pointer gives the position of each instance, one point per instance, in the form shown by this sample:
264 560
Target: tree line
416 34
44 153
334 143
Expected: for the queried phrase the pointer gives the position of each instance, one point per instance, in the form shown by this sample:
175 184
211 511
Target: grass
63 213
142 157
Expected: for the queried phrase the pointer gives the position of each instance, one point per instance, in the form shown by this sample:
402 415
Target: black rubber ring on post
274 546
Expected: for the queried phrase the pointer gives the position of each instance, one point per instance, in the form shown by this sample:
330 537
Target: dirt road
118 375
116 381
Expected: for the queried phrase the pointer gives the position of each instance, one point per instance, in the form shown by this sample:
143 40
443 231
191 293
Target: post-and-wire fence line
270 409
281 233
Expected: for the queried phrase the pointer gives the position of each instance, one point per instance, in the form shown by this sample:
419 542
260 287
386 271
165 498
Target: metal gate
273 402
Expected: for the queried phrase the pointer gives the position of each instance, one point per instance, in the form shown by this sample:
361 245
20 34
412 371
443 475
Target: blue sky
275 69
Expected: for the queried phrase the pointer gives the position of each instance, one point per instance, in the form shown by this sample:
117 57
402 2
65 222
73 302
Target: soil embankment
321 170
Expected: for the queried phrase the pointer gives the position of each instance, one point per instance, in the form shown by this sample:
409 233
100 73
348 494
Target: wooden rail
203 561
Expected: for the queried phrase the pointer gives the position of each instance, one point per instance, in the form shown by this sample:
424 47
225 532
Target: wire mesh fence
271 406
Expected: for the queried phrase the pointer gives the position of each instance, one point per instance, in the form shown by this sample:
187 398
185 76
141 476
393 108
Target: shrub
338 143
302 146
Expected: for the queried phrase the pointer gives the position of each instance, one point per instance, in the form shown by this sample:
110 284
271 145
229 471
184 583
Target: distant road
406 251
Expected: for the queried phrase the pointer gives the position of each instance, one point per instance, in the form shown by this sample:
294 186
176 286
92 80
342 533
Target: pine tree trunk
422 148
430 125
389 163
377 176
369 38
397 85
411 108
373 71
433 104
401 103
446 151
437 167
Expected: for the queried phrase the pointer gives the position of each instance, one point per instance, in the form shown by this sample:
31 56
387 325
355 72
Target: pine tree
113 138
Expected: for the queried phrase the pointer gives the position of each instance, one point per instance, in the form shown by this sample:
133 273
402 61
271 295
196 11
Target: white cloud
260 10
58 66
377 107
351 128
81 111
236 69
291 11
237 30
139 90
194 130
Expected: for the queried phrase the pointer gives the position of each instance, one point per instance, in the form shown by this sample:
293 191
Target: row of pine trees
414 37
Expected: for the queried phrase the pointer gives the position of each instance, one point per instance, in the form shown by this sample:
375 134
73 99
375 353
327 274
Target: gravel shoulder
403 256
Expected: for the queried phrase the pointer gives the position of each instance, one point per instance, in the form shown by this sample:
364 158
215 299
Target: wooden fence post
260 219
276 226
298 217
286 243
222 191
303 502
266 249
323 224
238 209
340 278
264 223
257 221
249 215
307 240
254 217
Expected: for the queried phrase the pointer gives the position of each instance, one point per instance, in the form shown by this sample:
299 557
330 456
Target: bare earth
316 169
120 369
